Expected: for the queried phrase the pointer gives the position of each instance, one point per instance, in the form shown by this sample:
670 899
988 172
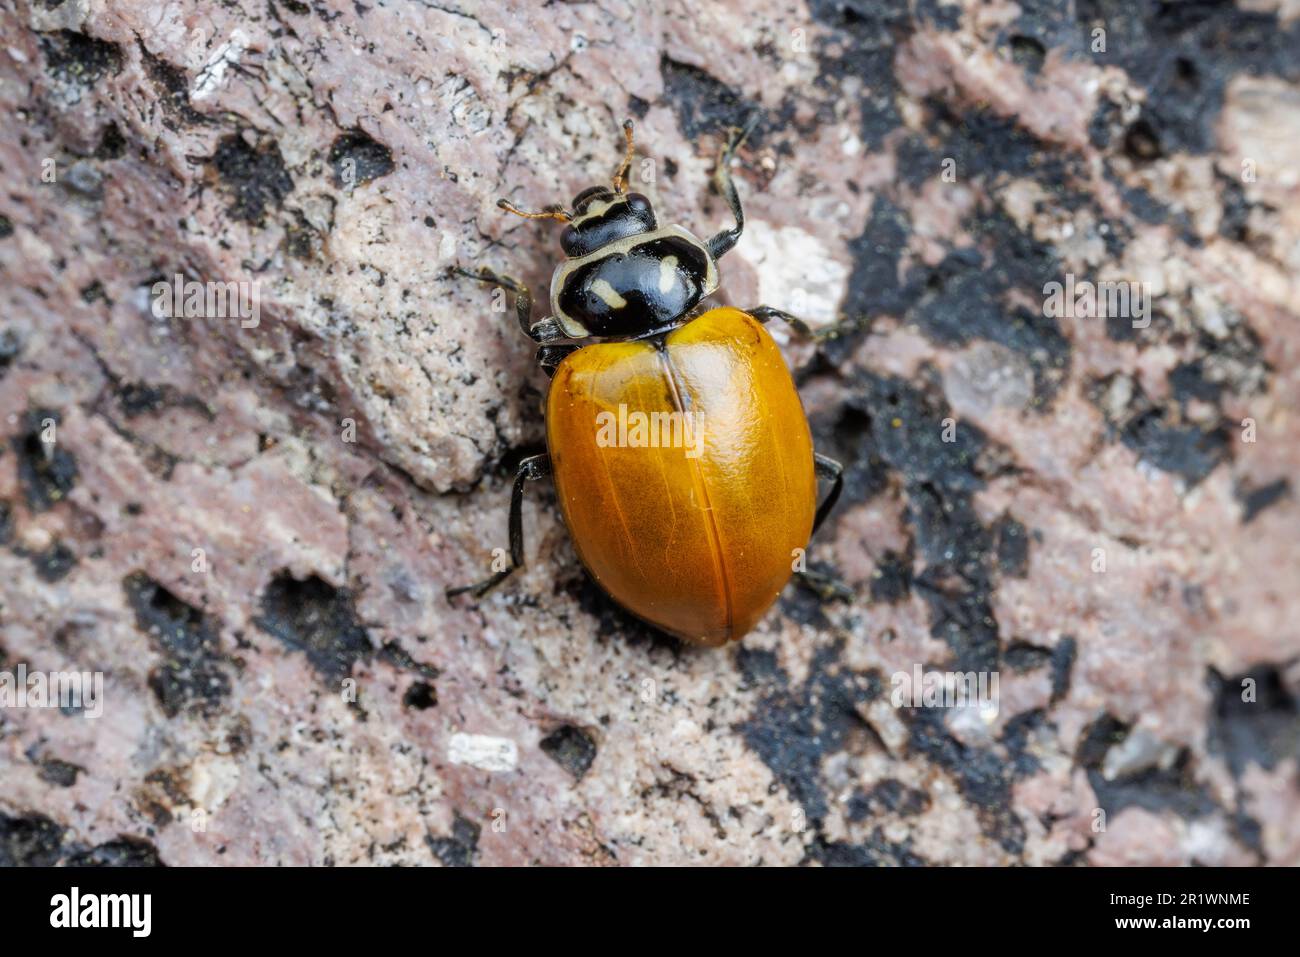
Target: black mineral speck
356 158
126 851
982 775
458 849
62 774
54 563
1182 449
80 59
571 748
11 347
30 841
1027 53
889 796
1255 719
1013 547
46 470
421 696
317 619
793 729
1184 56
862 41
1063 657
254 176
190 676
703 103
112 145
1255 500
892 578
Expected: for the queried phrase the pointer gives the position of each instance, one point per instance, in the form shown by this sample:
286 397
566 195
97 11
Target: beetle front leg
547 330
723 242
531 468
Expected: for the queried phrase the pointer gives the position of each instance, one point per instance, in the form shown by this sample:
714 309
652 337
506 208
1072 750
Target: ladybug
680 451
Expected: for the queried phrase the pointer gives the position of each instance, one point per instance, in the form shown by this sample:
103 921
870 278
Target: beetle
699 546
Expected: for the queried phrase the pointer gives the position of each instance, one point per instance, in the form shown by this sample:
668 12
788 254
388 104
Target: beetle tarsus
532 468
826 587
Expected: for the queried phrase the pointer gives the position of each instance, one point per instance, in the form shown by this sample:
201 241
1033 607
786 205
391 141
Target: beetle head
601 215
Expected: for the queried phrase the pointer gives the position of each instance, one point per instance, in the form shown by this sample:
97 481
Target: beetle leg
766 314
547 330
723 242
827 468
620 177
544 331
550 357
533 467
825 587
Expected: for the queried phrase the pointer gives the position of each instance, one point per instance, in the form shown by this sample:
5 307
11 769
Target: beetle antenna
548 212
620 178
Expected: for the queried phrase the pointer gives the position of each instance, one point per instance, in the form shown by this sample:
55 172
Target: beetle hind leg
531 468
825 586
832 470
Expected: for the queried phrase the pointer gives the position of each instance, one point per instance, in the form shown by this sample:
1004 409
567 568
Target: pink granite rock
245 524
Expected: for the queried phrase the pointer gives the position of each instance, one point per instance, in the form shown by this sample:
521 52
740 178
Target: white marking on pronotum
608 294
483 751
667 274
214 71
597 209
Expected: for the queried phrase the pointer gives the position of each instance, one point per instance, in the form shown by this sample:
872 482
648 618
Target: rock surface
248 528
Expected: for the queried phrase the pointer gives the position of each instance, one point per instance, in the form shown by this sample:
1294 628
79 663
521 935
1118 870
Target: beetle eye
640 207
569 239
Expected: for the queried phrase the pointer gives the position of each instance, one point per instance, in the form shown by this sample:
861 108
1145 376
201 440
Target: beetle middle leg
550 357
766 314
532 468
547 330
